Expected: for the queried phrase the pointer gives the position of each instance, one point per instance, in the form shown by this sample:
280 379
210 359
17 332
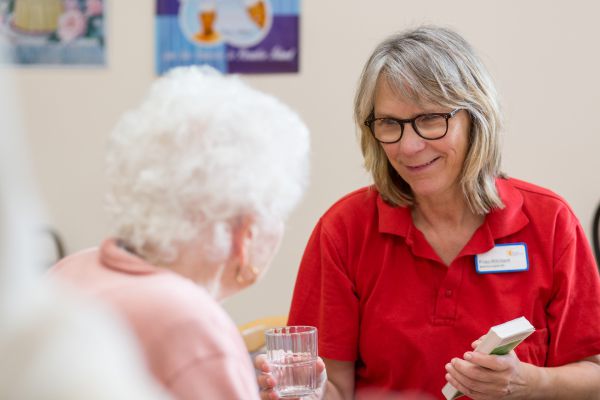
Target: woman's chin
431 190
425 192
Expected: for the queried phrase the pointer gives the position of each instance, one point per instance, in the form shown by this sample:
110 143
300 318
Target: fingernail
468 355
448 366
270 382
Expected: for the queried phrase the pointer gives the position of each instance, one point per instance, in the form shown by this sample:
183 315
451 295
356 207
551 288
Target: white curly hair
201 150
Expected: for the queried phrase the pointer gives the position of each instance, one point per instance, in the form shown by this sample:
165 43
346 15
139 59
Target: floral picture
52 32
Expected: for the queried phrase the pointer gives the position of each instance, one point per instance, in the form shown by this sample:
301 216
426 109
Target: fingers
477 342
458 385
478 381
320 365
466 372
266 384
322 373
261 364
492 362
265 380
475 389
269 395
464 389
267 392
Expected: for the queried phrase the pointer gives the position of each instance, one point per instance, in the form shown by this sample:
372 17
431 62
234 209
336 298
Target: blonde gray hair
435 65
201 151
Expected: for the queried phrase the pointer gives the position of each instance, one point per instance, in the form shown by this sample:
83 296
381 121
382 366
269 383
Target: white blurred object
54 347
53 344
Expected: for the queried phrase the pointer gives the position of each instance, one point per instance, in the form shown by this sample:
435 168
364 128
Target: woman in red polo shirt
401 277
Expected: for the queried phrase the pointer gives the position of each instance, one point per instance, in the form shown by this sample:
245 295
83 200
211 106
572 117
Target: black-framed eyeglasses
430 126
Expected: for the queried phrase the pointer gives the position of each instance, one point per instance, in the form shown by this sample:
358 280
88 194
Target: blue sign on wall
236 36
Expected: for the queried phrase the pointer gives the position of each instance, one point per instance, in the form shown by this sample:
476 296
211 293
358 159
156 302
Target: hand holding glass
292 353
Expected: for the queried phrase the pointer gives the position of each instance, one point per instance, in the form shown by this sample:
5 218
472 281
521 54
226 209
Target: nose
411 142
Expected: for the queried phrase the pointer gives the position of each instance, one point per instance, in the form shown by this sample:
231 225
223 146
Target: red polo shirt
381 296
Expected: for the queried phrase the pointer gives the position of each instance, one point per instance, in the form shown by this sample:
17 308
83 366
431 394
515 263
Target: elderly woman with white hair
202 175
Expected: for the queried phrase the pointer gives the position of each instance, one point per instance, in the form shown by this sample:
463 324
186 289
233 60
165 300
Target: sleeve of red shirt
325 297
574 311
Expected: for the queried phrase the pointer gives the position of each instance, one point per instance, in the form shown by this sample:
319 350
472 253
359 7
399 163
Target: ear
242 238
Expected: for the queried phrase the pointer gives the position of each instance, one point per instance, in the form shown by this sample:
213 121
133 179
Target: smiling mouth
421 166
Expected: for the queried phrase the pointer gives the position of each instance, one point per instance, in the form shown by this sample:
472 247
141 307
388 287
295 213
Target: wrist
534 382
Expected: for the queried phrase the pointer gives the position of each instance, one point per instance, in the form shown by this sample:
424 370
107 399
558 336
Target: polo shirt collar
498 223
116 257
511 218
393 219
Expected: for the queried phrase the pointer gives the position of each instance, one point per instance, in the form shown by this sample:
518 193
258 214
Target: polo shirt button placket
446 302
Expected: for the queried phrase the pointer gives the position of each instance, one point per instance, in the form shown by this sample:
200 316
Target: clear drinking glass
292 352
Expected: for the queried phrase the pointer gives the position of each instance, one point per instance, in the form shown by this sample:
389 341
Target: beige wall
543 54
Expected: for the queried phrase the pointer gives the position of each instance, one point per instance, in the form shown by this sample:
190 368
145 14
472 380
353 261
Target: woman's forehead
398 91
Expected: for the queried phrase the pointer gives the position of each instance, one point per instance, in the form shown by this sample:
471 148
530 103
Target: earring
238 277
241 279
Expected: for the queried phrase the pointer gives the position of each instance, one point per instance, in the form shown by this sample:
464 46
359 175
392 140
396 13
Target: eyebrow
388 115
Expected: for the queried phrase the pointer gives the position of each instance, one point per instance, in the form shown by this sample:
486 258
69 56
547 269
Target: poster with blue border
233 36
53 32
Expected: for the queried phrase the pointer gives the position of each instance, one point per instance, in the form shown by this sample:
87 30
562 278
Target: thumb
320 365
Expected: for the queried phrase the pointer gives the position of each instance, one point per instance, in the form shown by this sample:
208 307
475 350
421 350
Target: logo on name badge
508 257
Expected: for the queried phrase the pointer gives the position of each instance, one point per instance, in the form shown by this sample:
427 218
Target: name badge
509 257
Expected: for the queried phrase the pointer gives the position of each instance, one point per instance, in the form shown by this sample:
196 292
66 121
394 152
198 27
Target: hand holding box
500 340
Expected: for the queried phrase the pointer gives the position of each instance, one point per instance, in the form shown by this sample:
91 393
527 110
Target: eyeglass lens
427 126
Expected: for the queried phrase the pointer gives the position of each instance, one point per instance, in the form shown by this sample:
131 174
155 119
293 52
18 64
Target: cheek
390 152
462 147
265 244
458 146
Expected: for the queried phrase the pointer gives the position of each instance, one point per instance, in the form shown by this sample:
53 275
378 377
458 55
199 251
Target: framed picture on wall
237 36
52 32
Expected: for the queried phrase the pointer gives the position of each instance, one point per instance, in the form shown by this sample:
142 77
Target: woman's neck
447 224
442 210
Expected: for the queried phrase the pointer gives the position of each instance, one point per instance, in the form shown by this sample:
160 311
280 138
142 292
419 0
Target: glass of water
292 352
